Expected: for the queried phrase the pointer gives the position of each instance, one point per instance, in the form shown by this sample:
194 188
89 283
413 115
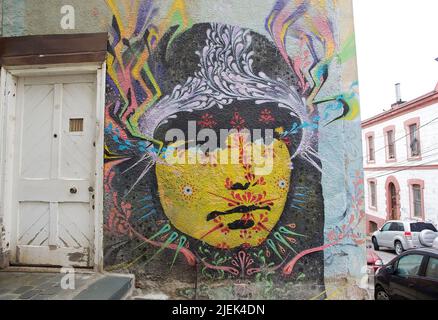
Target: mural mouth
241 225
241 209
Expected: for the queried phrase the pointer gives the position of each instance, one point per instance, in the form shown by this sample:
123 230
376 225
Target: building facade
401 162
91 90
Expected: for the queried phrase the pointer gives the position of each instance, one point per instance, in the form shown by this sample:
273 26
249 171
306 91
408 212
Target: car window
393 227
386 227
409 265
432 269
421 226
396 227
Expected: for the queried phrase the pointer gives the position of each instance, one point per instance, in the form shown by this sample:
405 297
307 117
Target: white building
401 162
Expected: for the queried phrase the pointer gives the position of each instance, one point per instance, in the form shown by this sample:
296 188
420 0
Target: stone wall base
342 288
4 260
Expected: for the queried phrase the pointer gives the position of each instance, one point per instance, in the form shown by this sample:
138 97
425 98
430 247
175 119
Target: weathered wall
226 231
282 65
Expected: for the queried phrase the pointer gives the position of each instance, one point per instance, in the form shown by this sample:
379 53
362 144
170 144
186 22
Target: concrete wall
226 231
31 17
426 168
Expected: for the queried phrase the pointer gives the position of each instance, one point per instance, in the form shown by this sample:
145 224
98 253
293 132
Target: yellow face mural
226 204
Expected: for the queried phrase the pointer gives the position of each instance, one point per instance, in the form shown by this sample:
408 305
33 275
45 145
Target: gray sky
397 41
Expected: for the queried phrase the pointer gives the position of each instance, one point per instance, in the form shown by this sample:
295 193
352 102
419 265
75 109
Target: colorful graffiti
227 220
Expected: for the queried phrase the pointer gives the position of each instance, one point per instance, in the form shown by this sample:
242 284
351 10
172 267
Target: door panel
36 132
55 177
426 289
394 231
393 193
77 158
45 256
75 224
34 226
54 190
393 202
405 278
384 238
403 288
427 286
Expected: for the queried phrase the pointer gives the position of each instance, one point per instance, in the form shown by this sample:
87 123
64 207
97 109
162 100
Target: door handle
73 190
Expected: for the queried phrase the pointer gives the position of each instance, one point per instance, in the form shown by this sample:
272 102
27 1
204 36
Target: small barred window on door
76 125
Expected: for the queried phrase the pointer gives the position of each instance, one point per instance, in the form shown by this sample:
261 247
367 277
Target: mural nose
240 186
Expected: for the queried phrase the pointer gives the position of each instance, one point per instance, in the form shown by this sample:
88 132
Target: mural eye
188 191
282 184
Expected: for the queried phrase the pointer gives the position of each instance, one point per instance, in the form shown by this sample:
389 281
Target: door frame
394 181
8 102
392 191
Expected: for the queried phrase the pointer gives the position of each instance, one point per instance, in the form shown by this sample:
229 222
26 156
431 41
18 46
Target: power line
423 154
423 135
403 168
401 138
406 169
405 136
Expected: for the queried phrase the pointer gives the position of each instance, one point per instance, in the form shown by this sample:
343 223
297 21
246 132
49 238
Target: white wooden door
55 171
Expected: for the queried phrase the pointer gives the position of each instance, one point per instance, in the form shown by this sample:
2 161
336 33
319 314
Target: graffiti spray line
190 257
288 269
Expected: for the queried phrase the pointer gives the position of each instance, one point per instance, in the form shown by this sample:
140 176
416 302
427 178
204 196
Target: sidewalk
47 286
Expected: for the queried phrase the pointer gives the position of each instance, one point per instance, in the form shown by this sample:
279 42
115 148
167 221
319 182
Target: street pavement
53 286
386 255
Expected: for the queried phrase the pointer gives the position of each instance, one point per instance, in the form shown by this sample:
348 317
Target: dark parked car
411 276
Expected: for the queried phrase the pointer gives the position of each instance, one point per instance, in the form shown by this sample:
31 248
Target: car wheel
399 248
381 294
375 244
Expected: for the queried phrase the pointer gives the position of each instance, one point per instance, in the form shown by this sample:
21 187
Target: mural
227 223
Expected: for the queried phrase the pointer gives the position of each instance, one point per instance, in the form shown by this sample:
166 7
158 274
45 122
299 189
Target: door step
54 285
35 269
110 287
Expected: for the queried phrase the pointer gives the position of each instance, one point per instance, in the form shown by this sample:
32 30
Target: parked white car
404 235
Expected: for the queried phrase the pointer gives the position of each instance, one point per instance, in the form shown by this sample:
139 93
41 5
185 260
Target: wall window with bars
414 140
371 149
417 198
373 194
390 140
